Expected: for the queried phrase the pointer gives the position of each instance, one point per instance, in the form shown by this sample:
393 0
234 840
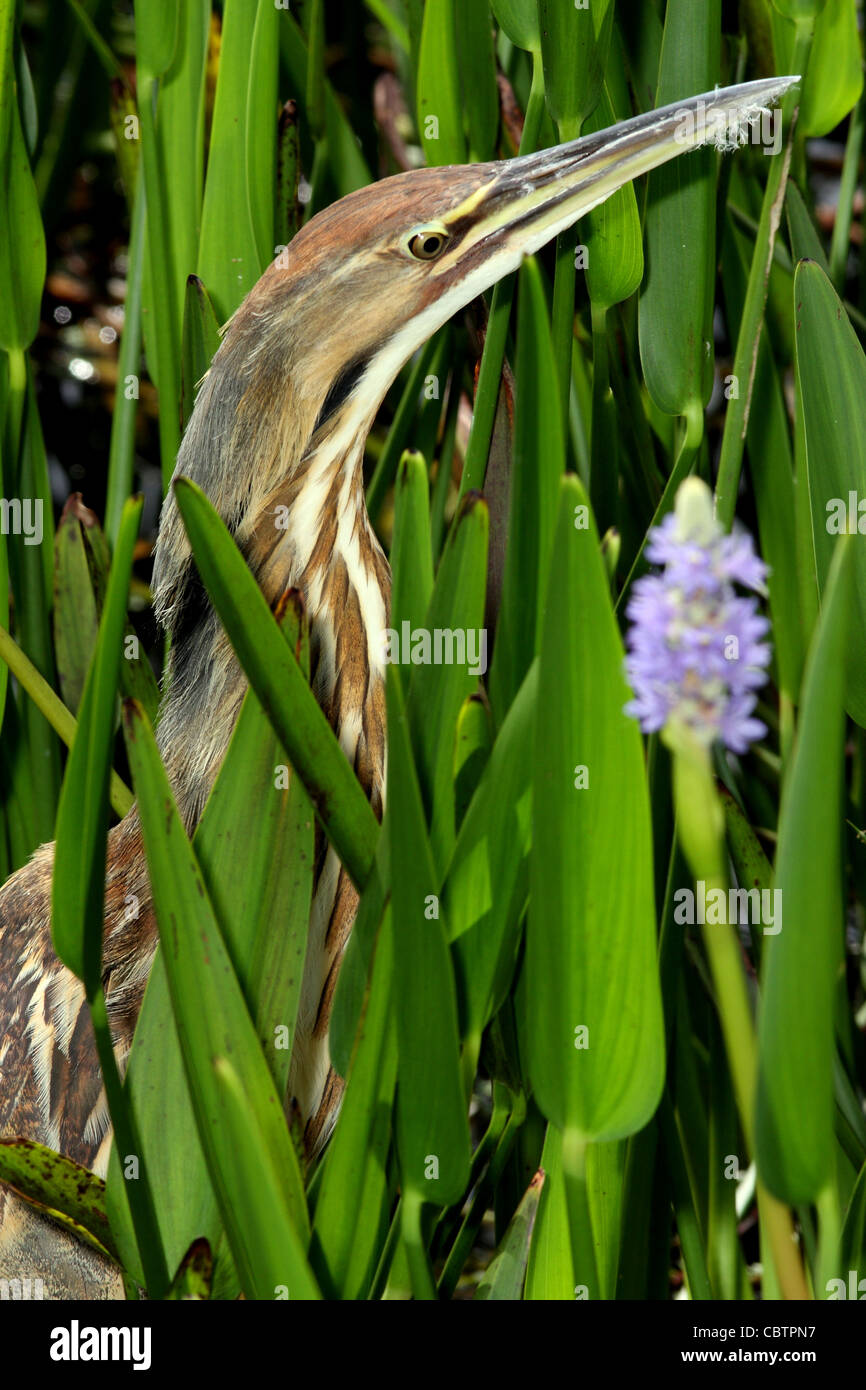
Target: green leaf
351 1215
201 338
538 465
440 114
411 557
75 620
440 686
230 259
612 232
504 1276
550 1271
22 240
432 1128
238 1113
480 94
155 33
574 44
279 684
486 887
263 909
69 1191
676 304
595 1036
194 1275
801 964
831 382
519 21
78 886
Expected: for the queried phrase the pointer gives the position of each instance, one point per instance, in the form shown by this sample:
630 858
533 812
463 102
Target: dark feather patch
341 389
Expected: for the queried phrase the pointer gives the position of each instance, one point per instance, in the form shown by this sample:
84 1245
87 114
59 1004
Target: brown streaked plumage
276 440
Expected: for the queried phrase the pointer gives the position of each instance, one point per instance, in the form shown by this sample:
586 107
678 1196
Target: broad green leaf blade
831 382
229 259
440 114
279 684
155 33
612 232
676 306
78 885
480 95
504 1277
214 1024
595 1034
574 44
432 1128
518 19
794 1123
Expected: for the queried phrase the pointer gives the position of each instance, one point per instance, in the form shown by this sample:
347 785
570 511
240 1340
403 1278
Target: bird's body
276 440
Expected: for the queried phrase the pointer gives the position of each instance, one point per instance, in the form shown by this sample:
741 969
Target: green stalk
162 287
420 1273
574 1147
122 451
746 356
847 188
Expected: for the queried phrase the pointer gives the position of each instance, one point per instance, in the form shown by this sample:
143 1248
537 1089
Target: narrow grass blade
279 684
432 1128
201 339
457 656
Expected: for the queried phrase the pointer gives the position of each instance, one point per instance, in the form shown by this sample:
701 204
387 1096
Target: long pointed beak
533 197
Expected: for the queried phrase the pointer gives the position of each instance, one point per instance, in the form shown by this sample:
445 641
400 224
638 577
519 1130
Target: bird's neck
312 534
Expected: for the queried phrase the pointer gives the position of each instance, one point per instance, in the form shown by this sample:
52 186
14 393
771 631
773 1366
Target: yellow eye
428 243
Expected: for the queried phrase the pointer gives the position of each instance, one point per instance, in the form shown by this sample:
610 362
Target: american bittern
281 421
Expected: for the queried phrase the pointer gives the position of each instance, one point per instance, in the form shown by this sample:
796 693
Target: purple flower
696 653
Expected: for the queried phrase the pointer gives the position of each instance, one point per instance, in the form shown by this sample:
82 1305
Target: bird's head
306 360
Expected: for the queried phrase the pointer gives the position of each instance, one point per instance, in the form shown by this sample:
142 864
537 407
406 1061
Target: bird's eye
427 244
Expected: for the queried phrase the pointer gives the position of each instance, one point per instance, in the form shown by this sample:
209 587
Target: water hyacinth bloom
696 649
